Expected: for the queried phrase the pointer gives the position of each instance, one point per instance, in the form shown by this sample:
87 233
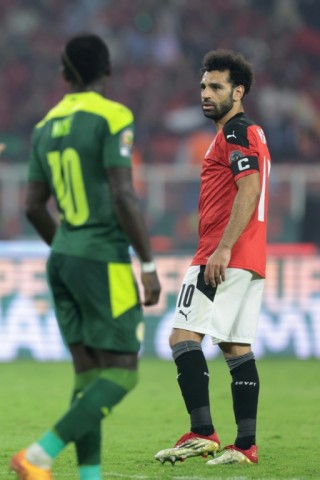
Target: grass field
153 417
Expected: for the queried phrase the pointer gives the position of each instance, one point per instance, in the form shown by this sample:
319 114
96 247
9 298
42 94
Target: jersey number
68 183
186 295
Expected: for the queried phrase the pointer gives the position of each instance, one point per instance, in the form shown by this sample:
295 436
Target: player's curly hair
85 58
241 71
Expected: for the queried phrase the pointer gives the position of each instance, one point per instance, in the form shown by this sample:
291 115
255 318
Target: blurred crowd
157 49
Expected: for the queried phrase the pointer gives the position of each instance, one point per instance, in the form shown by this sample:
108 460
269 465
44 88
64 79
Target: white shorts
228 312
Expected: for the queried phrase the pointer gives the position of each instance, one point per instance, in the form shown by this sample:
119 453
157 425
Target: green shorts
96 303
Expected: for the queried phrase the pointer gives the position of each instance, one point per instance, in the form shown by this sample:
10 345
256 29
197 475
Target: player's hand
2 147
151 287
215 272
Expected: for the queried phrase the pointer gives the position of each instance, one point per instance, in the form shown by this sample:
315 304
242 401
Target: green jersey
72 147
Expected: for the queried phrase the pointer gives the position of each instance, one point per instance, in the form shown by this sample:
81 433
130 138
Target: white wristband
148 267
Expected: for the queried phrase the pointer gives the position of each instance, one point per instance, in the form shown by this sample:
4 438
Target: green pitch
152 417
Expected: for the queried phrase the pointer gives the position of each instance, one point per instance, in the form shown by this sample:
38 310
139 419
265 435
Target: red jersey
239 149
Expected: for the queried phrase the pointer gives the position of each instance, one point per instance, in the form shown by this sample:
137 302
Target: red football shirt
239 149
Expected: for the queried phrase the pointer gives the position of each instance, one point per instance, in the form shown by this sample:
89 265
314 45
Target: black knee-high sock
245 394
193 379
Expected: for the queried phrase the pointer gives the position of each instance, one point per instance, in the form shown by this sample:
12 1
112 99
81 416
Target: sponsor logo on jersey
231 135
126 142
184 314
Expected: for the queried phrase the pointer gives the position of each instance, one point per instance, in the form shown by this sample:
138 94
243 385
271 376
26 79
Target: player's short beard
221 110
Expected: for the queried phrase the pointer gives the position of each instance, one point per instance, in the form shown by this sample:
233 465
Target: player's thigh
210 310
246 323
108 301
194 303
65 305
227 308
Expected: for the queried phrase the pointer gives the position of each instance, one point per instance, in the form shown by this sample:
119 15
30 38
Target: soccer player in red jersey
222 290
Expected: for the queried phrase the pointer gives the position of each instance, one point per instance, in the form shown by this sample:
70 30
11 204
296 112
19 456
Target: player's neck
234 111
98 86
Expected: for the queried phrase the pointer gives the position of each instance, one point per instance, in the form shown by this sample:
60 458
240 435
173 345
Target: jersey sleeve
241 151
118 145
36 172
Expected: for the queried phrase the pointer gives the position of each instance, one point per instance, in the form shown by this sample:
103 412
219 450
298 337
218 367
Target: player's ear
238 92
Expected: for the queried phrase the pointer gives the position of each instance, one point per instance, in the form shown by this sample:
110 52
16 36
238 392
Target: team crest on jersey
126 142
235 155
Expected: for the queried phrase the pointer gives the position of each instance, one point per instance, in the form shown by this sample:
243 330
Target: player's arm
244 205
38 194
129 215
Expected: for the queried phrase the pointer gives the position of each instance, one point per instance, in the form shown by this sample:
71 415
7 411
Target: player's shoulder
54 112
236 130
105 107
115 114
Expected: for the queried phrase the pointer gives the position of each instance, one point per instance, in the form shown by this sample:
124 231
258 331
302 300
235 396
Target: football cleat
233 454
190 445
26 470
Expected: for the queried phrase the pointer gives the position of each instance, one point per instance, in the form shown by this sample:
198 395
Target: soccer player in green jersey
81 154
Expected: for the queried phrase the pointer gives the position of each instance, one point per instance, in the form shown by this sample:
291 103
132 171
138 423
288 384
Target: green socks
96 393
88 448
51 444
97 401
92 472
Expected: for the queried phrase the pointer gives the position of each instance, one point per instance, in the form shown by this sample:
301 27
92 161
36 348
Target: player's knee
237 361
133 379
183 347
179 336
123 377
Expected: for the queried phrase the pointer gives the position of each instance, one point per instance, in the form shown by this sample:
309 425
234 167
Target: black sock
193 379
245 393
